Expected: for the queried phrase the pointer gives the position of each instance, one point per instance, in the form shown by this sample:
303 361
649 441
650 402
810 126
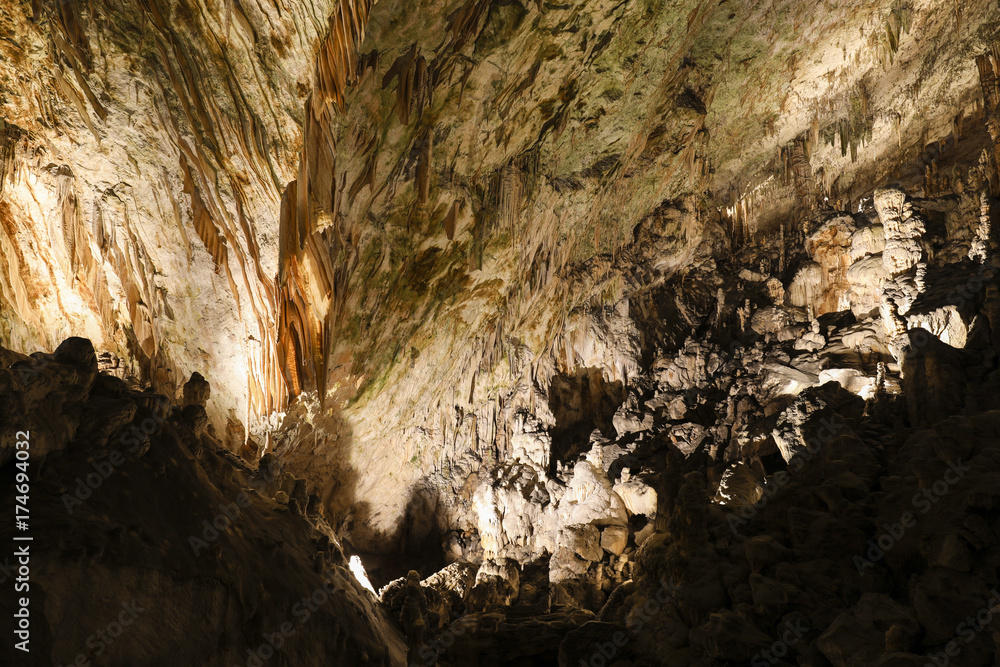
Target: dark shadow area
665 319
151 544
416 545
581 402
320 452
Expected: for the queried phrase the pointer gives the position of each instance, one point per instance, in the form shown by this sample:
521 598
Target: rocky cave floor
776 489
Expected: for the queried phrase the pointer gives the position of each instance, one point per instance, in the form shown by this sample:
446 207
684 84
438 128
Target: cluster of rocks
807 480
131 501
808 484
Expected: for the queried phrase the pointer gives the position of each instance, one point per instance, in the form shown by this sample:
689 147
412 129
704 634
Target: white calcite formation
901 258
589 499
693 366
639 497
530 441
902 252
979 251
823 283
523 515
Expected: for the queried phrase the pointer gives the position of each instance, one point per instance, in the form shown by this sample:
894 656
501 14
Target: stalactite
781 250
424 169
989 77
308 288
204 225
337 60
365 178
9 137
451 218
12 285
511 198
70 92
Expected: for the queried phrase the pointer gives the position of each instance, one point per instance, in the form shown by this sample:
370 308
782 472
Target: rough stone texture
831 247
740 485
933 377
639 498
302 199
867 279
487 282
614 539
140 517
197 390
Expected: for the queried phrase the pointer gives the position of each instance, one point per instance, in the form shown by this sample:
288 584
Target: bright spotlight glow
358 570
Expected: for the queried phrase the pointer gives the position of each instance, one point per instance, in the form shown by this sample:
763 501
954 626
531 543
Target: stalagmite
979 252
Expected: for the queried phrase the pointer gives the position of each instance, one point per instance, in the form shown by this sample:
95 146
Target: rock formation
152 544
622 333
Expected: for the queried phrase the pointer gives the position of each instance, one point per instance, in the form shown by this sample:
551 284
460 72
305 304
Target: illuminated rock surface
550 310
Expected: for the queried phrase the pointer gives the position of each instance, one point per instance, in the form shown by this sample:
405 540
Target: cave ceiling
379 228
